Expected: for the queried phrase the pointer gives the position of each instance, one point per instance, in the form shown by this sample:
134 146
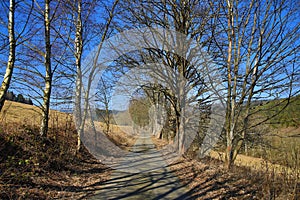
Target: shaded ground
35 168
32 168
208 180
143 174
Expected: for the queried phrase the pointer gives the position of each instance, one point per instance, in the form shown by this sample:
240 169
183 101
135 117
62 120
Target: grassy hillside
14 112
279 139
288 112
33 167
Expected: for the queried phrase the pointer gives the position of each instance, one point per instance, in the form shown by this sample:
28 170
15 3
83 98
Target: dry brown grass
256 163
159 143
120 135
250 178
209 180
32 167
14 112
18 113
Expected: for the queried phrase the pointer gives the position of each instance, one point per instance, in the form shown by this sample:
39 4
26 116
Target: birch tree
257 42
12 53
82 108
42 55
48 70
78 56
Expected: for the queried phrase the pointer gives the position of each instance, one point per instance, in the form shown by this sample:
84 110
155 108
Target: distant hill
122 117
288 116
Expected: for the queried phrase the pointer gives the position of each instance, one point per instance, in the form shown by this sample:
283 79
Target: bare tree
42 56
48 70
257 43
103 97
188 18
12 53
71 28
78 56
84 107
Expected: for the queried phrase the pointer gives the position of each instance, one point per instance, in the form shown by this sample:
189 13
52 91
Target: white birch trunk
78 55
48 75
12 54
